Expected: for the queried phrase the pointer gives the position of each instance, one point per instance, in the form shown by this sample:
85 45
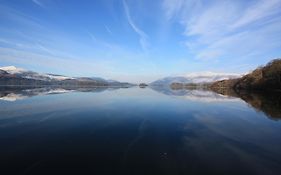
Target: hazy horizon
139 41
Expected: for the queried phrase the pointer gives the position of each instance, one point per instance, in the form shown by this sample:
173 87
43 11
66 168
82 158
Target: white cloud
258 11
172 7
245 43
108 30
211 22
143 36
17 17
92 36
38 2
64 64
227 28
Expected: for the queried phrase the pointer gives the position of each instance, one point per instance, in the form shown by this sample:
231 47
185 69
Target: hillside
263 78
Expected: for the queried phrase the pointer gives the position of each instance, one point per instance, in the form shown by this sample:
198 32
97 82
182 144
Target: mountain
196 78
32 75
266 77
12 75
2 72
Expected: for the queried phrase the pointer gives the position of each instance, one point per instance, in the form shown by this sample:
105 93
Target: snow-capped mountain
32 75
2 72
200 77
12 75
12 69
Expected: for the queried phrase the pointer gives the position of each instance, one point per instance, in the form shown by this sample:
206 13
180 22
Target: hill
266 77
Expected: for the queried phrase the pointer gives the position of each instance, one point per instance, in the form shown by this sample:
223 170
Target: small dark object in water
142 85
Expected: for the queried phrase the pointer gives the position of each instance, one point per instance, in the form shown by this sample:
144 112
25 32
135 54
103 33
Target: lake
139 131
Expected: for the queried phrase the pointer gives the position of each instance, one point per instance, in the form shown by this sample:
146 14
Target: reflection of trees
267 102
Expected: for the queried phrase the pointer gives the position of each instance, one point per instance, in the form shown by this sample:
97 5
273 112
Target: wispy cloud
38 2
192 34
108 30
258 11
101 42
227 29
143 36
67 65
92 36
19 18
172 7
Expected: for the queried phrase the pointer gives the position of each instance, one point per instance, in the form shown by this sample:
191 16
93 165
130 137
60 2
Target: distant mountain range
267 77
12 75
196 78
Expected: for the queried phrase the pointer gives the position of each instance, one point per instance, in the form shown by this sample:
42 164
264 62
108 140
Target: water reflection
13 93
267 102
194 94
135 131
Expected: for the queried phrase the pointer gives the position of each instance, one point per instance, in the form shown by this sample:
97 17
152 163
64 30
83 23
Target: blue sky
137 41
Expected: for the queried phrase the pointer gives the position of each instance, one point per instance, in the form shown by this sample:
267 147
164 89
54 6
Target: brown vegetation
262 78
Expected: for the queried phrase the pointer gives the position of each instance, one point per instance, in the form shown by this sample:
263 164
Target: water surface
136 131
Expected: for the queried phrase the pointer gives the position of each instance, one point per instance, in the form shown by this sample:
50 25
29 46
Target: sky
139 41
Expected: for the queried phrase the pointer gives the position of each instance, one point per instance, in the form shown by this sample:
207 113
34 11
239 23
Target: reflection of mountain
18 93
168 91
207 96
16 76
194 94
269 103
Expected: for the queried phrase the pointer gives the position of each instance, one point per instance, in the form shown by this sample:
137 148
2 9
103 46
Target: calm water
137 131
